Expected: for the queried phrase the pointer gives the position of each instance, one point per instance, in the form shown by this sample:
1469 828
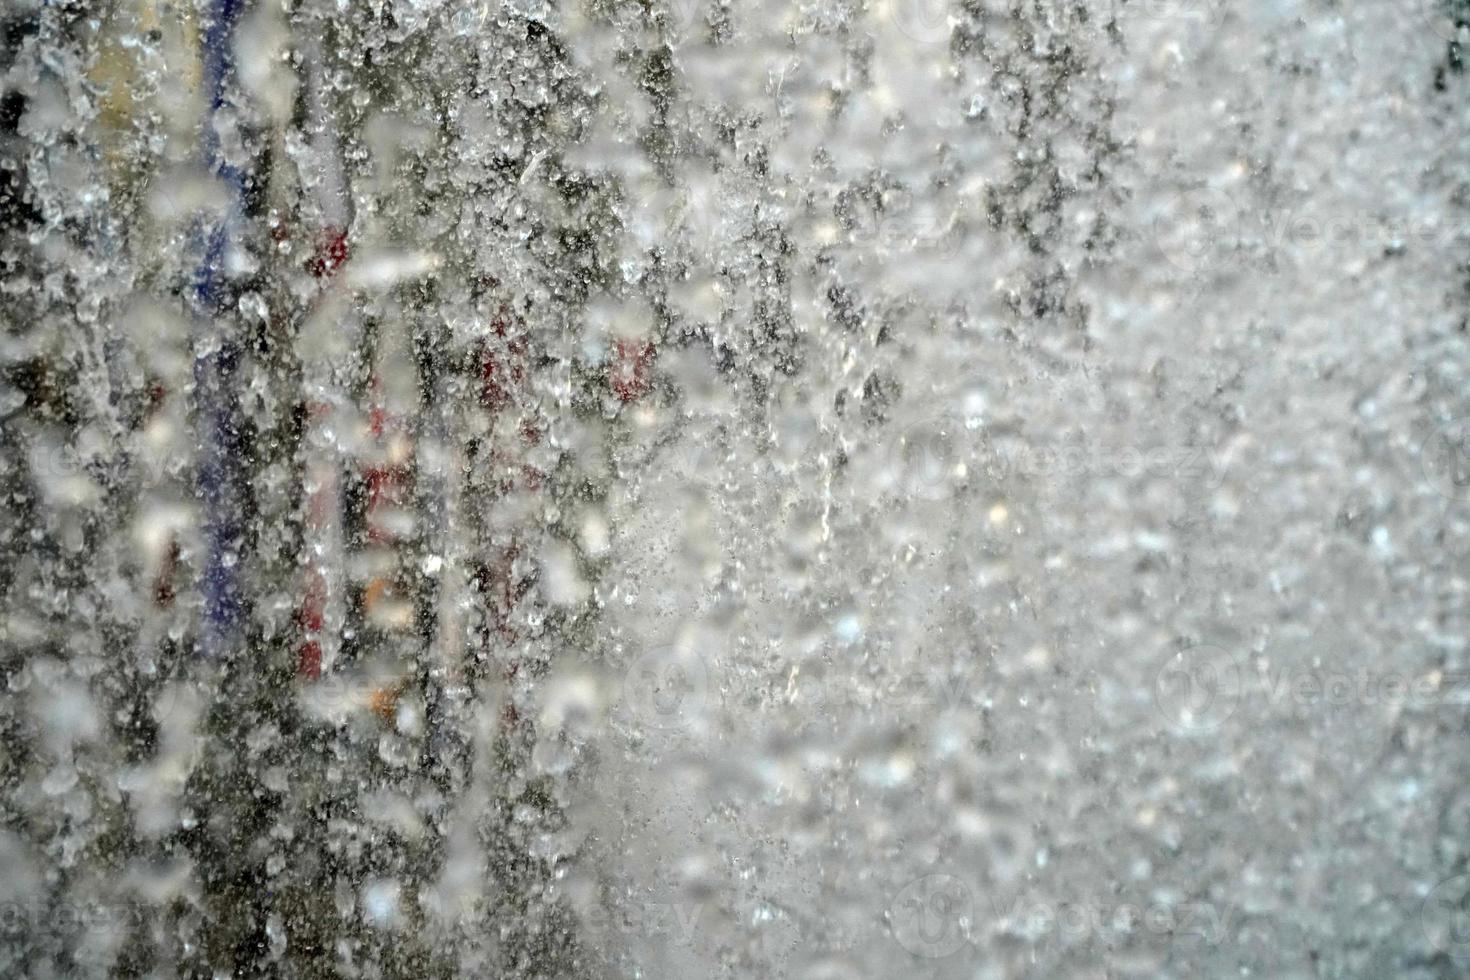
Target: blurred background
826 490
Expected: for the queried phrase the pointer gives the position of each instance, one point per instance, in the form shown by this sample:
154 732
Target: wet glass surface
824 490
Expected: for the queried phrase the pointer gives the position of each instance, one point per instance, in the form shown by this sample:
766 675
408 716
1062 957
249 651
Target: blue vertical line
217 355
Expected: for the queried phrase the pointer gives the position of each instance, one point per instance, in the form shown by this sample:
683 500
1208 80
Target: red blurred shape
331 252
502 364
629 372
309 660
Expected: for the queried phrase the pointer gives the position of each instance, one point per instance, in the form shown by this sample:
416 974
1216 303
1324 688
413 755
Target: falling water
723 488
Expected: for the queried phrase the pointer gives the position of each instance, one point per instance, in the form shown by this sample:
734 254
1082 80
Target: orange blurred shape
384 700
385 605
